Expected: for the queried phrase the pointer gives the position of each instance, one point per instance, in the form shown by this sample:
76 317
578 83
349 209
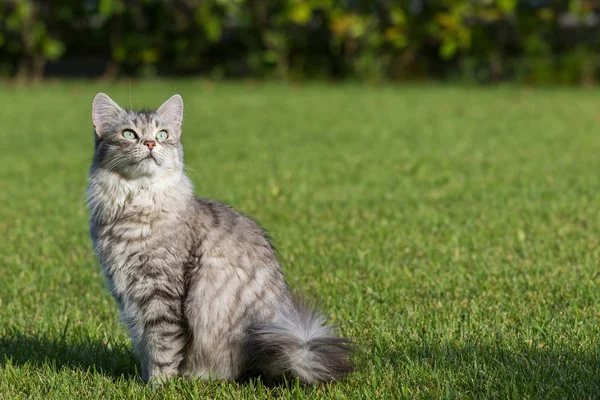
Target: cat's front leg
161 340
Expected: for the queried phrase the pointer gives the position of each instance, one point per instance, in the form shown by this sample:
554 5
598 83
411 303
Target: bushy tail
298 344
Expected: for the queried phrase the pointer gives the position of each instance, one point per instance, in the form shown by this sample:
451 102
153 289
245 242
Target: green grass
454 233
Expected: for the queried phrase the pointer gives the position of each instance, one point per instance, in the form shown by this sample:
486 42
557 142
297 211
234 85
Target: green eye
162 135
129 134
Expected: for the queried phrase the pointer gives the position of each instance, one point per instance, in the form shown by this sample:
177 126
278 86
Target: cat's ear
172 112
104 111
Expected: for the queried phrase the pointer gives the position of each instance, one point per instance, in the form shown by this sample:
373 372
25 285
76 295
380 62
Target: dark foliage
532 41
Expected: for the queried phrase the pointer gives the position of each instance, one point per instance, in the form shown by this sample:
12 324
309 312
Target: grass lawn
453 232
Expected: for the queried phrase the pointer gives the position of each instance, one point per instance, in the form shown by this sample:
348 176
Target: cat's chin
147 168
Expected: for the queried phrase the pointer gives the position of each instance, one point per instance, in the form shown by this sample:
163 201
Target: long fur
297 343
197 283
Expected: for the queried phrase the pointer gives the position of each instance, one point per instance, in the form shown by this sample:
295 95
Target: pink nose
149 143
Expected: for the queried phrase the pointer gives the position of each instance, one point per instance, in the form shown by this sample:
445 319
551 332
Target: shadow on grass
487 371
111 360
115 361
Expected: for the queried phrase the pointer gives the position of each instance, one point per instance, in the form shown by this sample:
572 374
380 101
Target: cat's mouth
150 156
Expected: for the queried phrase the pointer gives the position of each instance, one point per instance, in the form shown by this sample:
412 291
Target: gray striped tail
298 344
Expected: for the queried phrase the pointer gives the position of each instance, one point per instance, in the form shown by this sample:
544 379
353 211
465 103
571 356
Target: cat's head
138 144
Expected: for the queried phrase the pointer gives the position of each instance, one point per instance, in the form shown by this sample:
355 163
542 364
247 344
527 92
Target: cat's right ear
104 111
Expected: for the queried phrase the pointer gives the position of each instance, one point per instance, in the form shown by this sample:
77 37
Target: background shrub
530 41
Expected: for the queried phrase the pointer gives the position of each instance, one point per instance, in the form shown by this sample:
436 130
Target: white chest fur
133 221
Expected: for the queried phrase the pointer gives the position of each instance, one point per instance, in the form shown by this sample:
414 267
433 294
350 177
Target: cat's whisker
188 168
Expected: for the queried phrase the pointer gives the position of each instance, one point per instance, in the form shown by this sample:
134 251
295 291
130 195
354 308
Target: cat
198 284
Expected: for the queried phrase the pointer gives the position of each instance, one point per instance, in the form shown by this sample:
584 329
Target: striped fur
197 283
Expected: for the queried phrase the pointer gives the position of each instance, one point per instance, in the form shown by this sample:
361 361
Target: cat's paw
157 382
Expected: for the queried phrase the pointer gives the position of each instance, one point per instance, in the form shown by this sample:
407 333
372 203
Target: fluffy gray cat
197 284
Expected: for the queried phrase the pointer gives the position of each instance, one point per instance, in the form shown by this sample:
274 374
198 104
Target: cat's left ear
172 112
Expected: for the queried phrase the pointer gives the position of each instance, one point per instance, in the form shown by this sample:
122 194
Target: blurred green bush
532 41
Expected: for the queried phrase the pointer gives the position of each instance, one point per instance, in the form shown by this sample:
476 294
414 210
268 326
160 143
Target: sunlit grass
452 232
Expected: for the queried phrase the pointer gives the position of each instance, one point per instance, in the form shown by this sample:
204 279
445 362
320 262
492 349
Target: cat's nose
149 143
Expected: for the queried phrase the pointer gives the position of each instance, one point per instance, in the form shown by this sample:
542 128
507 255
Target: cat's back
231 234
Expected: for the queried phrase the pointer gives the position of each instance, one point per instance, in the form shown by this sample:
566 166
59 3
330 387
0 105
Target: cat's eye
162 135
129 134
